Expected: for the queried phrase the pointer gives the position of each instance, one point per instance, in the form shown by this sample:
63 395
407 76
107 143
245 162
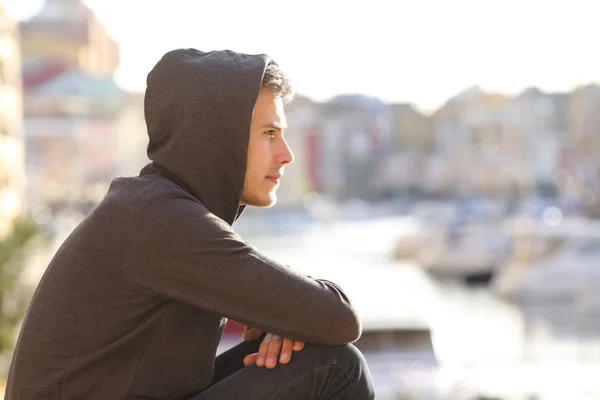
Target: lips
274 178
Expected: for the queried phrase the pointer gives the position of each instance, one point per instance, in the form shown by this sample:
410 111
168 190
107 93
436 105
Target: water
481 342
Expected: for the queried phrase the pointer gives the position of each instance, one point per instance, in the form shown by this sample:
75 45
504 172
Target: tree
14 299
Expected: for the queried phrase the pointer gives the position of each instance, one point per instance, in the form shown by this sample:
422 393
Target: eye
270 134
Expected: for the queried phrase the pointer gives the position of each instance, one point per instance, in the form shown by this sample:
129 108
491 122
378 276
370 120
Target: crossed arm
199 260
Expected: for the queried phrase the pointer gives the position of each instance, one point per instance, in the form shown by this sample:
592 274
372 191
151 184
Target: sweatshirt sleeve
178 250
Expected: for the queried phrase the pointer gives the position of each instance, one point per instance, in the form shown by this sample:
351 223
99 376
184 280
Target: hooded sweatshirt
133 304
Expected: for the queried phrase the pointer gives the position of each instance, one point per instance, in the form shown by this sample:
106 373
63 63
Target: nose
285 155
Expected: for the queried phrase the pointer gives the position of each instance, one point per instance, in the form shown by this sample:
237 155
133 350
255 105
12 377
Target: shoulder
146 192
158 205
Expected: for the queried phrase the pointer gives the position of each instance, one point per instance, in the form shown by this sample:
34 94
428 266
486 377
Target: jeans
317 372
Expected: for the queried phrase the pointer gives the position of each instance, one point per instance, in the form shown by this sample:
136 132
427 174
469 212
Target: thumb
250 359
251 334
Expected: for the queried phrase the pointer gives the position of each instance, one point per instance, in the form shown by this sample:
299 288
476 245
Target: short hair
274 79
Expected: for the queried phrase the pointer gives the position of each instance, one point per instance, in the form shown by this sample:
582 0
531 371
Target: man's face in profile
268 152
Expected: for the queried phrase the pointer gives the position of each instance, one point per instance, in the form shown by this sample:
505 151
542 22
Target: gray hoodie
134 302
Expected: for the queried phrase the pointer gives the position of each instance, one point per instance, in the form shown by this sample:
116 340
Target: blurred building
583 116
415 142
66 35
490 144
537 126
71 140
354 140
12 168
414 130
470 145
81 129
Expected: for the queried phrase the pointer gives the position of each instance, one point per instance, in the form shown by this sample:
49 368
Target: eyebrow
275 125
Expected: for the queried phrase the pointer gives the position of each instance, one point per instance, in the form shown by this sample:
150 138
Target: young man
134 303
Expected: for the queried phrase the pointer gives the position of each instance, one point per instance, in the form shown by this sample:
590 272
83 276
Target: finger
286 351
251 334
246 333
298 345
250 359
262 350
273 351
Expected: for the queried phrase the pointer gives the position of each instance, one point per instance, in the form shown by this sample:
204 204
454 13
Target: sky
420 51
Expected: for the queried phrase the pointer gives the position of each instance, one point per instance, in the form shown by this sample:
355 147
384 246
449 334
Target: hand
272 349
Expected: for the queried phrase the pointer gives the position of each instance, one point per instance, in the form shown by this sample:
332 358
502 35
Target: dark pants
317 372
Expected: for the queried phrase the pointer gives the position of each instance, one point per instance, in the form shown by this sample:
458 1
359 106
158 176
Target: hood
198 108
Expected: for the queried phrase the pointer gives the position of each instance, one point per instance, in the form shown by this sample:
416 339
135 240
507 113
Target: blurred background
446 174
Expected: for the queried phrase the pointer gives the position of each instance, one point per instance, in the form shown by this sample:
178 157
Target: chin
266 202
269 203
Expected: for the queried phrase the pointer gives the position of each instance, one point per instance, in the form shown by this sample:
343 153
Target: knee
351 361
341 366
347 356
